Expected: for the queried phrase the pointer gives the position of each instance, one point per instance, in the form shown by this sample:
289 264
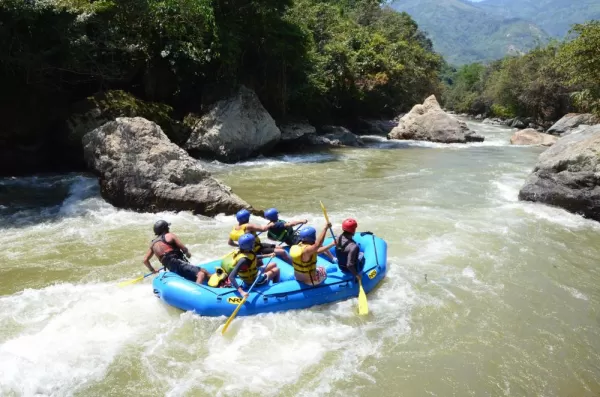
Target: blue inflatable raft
288 294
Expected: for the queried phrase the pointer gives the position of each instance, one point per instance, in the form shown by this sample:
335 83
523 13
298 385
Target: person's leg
202 275
272 272
282 254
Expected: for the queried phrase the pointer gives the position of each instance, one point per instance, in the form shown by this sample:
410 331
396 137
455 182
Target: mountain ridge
463 32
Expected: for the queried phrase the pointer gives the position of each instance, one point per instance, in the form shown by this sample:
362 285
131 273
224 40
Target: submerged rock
571 121
141 169
234 129
568 175
428 122
532 137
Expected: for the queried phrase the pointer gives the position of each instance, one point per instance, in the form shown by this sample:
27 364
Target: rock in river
568 174
428 122
141 169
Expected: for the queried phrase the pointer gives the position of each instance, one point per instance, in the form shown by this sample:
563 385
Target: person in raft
169 250
246 265
350 259
281 230
244 226
304 256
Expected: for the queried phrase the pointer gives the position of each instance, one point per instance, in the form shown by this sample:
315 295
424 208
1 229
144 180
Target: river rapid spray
485 295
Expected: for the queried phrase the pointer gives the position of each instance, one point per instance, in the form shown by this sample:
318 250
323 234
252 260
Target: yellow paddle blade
129 282
235 312
324 212
363 307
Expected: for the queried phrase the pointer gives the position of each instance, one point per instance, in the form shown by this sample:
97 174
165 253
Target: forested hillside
544 84
320 60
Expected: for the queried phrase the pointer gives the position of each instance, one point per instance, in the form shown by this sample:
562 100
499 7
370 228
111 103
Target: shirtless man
170 252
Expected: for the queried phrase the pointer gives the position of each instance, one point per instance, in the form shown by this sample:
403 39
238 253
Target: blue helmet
246 242
272 214
308 233
243 216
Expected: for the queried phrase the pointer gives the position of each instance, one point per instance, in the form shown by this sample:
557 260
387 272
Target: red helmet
349 225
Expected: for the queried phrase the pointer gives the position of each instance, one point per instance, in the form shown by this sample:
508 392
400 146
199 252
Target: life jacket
168 248
300 266
339 250
279 232
247 275
235 235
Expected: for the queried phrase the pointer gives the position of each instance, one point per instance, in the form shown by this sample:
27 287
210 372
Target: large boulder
428 122
140 169
530 136
571 121
234 129
568 174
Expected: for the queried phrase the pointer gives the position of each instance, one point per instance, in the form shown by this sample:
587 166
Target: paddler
350 259
170 252
244 226
246 265
281 230
304 255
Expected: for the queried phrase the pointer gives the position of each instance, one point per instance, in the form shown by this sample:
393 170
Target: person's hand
334 260
328 225
154 271
188 254
305 222
243 293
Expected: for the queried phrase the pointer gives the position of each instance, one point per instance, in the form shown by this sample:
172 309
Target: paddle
363 307
138 279
237 309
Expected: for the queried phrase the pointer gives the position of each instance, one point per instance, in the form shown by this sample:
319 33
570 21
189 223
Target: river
485 295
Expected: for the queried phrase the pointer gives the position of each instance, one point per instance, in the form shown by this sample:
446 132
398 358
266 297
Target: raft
287 294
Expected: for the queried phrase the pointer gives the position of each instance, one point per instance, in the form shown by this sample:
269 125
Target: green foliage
543 84
334 59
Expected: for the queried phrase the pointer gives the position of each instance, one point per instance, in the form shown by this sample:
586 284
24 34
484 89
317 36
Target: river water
485 295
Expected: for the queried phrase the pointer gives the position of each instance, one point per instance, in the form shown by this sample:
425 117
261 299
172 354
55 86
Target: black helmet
161 227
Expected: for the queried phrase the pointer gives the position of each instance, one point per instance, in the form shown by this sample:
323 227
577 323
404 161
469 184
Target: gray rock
296 130
336 136
428 122
479 117
234 129
141 169
570 121
374 126
530 136
518 123
568 175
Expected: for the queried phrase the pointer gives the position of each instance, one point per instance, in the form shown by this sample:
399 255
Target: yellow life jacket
299 265
248 275
235 235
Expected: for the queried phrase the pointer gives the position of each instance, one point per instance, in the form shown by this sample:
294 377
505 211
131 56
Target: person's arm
327 252
271 255
256 228
147 257
233 275
179 244
296 223
311 249
232 243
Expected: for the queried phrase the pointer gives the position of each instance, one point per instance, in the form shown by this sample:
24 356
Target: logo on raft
372 274
234 300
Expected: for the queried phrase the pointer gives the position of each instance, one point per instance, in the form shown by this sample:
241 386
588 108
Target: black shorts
266 249
183 268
